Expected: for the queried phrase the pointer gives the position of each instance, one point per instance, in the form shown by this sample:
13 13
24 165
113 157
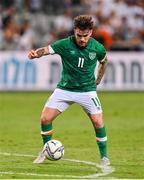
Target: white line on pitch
105 170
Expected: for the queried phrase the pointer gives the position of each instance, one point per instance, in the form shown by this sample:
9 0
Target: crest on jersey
92 55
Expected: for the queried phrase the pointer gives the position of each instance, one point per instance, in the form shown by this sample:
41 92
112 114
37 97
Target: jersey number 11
80 62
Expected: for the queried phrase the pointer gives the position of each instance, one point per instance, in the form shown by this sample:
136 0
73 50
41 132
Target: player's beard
82 44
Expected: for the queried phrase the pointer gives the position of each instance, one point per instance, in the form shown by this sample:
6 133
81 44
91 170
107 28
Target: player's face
82 36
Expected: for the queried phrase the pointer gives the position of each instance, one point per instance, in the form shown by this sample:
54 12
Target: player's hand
97 82
32 54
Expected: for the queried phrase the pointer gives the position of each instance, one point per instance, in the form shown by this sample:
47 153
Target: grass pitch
20 135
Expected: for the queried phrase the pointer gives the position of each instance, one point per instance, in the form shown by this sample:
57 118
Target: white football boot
40 158
104 162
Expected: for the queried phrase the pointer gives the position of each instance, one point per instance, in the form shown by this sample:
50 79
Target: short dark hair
83 22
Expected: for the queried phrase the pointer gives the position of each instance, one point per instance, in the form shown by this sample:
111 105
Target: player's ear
91 32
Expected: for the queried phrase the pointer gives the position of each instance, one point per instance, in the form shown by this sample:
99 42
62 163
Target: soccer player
79 55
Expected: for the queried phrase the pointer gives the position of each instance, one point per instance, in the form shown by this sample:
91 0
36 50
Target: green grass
20 133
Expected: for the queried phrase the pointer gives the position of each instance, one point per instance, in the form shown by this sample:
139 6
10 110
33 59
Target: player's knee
97 121
45 119
99 124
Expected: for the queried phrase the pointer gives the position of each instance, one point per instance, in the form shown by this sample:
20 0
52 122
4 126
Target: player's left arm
101 70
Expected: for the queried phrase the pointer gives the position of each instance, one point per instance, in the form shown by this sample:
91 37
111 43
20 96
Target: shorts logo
98 108
92 55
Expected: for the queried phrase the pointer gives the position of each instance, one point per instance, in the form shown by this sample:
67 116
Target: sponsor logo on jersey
72 52
92 55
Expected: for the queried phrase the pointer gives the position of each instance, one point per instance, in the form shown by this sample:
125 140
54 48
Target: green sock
46 132
101 141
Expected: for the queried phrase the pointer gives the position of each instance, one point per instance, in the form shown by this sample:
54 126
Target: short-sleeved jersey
78 73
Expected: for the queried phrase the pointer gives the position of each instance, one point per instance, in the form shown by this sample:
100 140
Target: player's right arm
38 52
54 48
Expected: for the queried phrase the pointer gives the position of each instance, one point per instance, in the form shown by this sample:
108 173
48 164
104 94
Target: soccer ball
54 150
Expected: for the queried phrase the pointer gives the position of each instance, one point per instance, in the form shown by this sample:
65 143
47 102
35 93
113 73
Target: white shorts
62 99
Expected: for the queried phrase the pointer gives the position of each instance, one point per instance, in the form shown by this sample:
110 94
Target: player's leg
56 104
47 116
91 104
101 137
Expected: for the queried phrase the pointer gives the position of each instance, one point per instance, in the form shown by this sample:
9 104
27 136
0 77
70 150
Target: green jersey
79 64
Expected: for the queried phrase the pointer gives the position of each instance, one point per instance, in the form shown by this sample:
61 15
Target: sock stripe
45 133
101 139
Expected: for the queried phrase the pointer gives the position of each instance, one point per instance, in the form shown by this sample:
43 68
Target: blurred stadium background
28 24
